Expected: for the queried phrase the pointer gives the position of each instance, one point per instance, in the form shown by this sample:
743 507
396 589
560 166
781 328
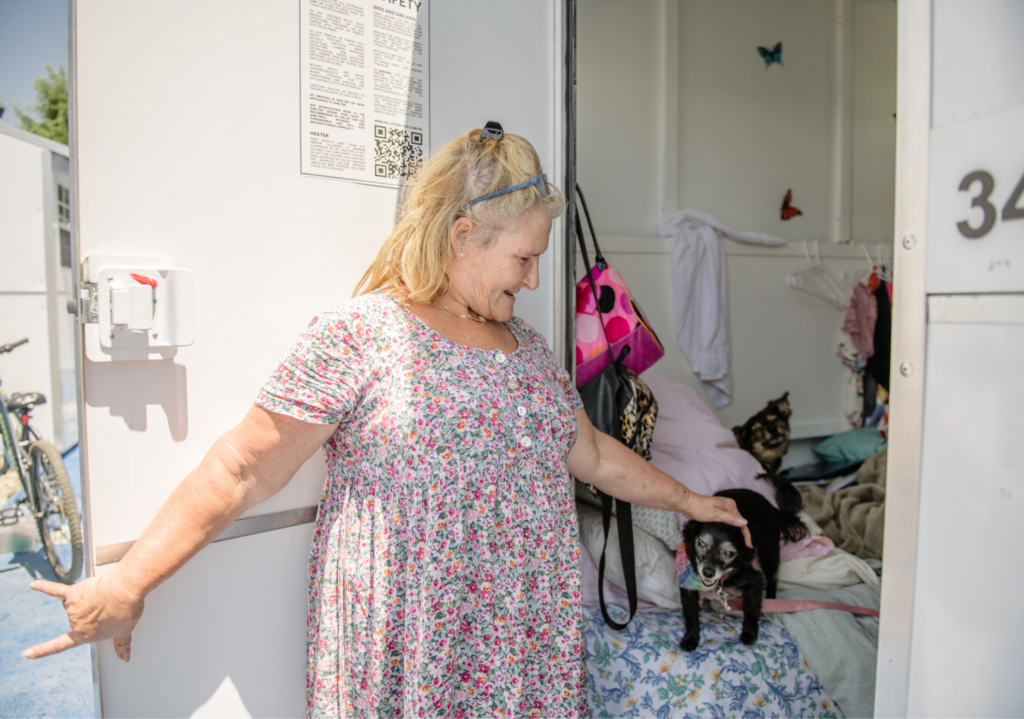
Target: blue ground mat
59 686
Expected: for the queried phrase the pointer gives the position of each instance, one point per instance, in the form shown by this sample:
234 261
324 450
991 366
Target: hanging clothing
853 386
699 288
878 363
860 321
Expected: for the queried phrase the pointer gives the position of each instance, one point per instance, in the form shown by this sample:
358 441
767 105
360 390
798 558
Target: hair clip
492 131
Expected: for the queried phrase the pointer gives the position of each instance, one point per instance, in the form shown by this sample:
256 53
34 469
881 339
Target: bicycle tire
56 499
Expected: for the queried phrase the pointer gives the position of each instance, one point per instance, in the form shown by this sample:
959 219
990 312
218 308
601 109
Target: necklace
478 318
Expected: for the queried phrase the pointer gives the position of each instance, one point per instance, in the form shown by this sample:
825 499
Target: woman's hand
715 509
98 609
615 469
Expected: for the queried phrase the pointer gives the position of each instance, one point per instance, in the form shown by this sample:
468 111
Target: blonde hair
415 257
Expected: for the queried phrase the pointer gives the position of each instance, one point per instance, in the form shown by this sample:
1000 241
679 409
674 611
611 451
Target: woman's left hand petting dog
720 560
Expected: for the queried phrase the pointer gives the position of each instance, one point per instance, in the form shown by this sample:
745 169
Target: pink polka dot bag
612 317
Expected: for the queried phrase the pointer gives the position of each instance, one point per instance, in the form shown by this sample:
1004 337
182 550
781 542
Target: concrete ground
59 686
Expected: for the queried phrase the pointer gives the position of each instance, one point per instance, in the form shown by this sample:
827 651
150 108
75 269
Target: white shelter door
955 457
187 157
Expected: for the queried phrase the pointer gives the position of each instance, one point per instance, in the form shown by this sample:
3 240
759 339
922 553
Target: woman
444 571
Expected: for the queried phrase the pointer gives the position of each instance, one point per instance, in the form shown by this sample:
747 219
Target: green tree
51 105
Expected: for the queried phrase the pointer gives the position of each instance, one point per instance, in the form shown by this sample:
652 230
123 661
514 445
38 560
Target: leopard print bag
636 424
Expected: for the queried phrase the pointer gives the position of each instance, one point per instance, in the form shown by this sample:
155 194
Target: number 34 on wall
1011 210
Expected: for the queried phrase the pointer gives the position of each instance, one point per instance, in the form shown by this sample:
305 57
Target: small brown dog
766 434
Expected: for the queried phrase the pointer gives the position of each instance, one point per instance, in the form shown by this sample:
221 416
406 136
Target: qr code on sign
397 153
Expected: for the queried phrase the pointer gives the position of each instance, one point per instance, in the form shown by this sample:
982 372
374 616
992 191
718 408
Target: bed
818 663
641 671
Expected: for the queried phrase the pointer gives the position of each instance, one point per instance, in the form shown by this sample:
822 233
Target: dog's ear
690 531
782 406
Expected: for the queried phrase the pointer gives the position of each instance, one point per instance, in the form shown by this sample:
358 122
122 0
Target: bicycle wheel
59 522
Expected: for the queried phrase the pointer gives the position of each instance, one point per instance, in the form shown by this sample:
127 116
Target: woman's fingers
54 646
732 516
716 509
123 648
95 613
54 589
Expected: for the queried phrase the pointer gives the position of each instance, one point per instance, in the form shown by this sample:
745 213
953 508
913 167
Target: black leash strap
623 511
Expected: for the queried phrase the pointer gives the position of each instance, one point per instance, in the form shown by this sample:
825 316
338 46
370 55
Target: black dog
721 558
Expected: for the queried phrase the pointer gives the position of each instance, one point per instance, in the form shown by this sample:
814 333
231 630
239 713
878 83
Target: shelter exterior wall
23 268
25 304
27 369
218 191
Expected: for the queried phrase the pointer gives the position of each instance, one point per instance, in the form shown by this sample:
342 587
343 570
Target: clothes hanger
818 281
878 266
884 264
851 278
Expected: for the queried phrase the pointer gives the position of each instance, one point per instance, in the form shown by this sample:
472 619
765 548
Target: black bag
621 405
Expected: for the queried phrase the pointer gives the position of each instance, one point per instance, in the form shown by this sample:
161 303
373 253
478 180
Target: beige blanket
853 517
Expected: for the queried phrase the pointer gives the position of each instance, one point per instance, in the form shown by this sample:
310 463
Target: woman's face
486 278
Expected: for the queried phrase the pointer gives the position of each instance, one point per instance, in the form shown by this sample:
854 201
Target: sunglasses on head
541 181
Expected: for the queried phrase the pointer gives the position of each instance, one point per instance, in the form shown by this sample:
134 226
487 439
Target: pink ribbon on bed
800 605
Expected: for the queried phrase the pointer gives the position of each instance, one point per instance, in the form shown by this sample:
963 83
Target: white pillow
656 580
659 523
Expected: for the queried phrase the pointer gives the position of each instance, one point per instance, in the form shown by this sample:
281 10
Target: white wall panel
680 81
22 267
235 613
617 145
873 151
977 61
967 663
747 133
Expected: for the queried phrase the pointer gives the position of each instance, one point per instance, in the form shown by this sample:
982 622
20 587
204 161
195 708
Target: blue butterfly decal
770 56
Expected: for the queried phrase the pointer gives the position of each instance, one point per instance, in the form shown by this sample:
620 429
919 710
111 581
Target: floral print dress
444 573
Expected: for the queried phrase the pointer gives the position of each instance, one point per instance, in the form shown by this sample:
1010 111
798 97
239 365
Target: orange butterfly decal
788 212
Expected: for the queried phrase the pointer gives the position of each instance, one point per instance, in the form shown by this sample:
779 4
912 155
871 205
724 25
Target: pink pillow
691 445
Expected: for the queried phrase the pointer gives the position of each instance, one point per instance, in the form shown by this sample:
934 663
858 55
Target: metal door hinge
88 303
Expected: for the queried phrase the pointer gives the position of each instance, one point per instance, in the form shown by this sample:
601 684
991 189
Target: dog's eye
700 544
729 553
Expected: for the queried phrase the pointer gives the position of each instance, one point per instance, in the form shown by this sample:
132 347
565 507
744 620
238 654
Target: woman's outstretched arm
247 465
613 468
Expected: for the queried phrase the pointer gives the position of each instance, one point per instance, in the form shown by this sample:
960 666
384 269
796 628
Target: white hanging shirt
701 305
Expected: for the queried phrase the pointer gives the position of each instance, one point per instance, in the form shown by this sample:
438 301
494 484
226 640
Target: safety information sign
365 88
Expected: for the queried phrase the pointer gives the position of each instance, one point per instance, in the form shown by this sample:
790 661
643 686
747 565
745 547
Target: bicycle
48 493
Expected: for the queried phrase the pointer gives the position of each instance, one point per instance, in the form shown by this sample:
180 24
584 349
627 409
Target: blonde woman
444 571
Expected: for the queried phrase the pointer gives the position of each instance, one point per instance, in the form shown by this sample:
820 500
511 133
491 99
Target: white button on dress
500 357
513 384
521 410
525 441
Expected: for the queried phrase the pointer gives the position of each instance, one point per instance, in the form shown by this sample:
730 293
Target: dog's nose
707 572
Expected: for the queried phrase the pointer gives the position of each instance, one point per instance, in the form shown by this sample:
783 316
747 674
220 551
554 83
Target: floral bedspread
642 672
